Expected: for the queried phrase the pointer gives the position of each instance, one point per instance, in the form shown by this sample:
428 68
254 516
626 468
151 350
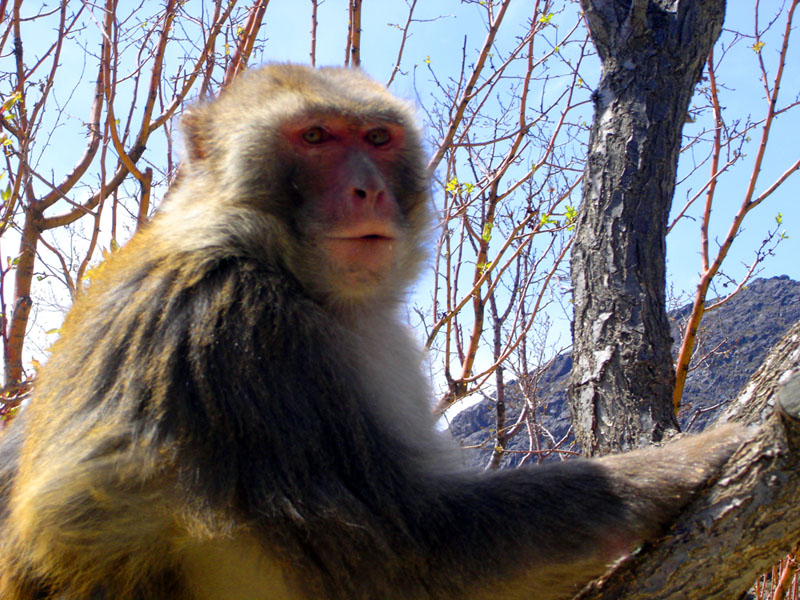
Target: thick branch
748 520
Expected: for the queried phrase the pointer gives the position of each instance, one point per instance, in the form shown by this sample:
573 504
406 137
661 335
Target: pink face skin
353 216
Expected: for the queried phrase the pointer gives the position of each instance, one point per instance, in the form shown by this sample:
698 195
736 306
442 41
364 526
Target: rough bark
653 52
748 520
756 402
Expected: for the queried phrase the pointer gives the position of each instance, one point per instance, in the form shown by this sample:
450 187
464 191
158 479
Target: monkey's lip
364 233
369 241
367 252
369 237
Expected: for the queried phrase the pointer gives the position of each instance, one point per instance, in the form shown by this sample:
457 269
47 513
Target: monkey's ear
195 133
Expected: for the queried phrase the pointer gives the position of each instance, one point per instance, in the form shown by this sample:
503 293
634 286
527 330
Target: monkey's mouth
372 238
368 231
362 252
372 242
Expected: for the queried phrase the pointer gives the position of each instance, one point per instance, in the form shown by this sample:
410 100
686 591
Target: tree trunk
653 53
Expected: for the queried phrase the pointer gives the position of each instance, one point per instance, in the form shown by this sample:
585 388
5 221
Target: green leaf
10 101
547 220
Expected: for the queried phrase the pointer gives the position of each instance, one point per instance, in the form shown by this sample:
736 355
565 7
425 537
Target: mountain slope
734 340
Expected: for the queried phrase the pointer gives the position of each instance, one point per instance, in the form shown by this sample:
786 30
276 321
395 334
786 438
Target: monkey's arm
548 530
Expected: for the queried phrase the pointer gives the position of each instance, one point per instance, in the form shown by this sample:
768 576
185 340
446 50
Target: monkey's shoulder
241 300
225 351
189 328
192 295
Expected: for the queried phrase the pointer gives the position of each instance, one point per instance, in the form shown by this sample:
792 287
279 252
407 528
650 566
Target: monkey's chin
361 262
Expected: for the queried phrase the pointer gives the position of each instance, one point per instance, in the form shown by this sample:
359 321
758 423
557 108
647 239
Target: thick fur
214 425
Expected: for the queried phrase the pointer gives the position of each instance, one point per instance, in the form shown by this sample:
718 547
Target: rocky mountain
734 340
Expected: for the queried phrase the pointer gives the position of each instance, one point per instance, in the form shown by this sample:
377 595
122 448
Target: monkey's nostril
361 193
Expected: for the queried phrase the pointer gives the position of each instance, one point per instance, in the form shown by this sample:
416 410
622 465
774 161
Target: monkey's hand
658 482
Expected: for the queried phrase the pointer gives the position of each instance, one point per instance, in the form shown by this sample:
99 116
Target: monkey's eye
377 137
315 135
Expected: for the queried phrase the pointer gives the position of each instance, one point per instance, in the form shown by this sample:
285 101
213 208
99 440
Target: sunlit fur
221 420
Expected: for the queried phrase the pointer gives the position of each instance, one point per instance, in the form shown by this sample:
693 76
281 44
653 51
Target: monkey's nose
370 195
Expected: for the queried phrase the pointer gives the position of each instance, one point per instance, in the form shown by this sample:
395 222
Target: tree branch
748 520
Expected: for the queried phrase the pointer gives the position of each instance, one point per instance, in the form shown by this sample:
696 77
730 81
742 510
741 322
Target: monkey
235 410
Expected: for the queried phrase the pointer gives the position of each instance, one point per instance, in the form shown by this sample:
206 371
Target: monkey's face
347 213
329 164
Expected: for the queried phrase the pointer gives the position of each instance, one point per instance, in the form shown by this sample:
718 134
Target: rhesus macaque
235 411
